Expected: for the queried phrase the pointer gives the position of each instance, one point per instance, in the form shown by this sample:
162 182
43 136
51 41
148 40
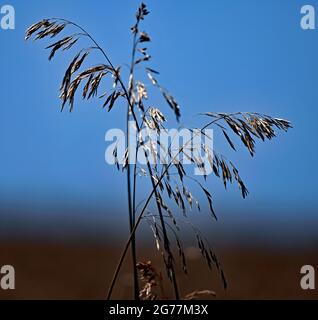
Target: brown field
77 271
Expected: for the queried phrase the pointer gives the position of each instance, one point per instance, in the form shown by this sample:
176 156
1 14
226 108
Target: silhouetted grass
171 183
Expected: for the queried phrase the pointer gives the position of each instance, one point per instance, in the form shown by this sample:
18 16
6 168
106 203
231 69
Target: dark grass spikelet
151 279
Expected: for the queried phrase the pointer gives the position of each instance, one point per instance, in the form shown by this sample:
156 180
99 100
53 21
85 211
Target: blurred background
63 213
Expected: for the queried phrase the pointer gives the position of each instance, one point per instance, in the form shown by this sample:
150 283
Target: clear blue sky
215 55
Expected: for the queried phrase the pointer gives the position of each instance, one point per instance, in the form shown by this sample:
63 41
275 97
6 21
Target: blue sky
213 56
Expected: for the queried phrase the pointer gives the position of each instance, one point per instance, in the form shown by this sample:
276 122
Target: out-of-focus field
77 271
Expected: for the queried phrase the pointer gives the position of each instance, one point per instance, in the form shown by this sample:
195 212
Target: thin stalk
132 200
165 238
131 218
